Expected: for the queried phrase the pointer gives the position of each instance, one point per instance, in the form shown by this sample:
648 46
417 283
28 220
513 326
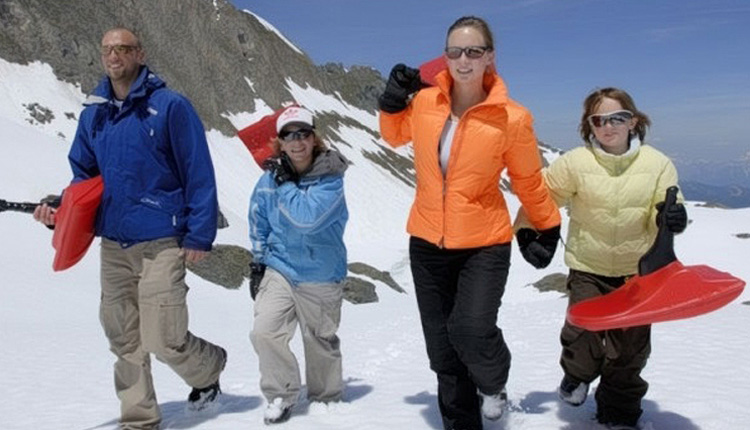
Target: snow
270 27
57 370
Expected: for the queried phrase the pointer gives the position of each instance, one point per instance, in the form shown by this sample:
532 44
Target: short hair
123 28
476 23
593 101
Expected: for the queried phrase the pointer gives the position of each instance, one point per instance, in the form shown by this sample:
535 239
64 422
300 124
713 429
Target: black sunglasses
288 136
119 49
454 52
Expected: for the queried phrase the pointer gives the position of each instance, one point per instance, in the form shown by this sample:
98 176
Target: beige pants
143 311
278 310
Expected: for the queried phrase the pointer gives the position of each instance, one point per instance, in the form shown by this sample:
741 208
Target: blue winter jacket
154 159
298 229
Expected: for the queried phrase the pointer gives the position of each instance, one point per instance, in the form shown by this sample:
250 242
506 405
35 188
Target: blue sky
686 62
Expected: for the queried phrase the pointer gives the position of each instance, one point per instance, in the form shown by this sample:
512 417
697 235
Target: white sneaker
493 405
277 412
573 392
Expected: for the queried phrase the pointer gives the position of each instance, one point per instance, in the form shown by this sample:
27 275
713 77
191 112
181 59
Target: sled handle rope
661 252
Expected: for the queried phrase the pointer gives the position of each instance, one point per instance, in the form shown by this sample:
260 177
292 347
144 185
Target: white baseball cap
294 115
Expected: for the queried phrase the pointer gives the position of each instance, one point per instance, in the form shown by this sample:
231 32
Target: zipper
451 162
441 242
452 159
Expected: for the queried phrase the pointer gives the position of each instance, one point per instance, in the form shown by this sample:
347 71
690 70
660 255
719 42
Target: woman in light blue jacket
297 218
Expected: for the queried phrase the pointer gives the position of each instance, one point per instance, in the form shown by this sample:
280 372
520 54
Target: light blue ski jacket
298 229
154 159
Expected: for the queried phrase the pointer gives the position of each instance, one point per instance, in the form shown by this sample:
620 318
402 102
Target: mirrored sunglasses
288 136
454 52
615 119
119 49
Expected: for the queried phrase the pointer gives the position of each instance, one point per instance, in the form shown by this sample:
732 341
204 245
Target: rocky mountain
223 59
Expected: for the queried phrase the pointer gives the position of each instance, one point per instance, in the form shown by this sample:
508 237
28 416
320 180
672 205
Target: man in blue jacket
158 210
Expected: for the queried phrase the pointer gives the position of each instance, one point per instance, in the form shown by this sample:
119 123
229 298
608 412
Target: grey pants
617 356
279 307
143 311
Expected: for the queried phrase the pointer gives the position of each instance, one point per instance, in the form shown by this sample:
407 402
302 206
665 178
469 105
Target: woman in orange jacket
466 131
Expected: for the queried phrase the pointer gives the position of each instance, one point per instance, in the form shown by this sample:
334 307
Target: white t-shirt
446 142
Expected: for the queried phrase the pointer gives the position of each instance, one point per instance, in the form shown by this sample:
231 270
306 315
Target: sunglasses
615 119
454 52
301 134
119 49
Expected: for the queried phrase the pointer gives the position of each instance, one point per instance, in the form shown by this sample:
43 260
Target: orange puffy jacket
466 209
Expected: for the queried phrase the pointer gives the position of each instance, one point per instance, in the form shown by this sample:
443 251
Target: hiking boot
201 398
493 405
573 392
277 412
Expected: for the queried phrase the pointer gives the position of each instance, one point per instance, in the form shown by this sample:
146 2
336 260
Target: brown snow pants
617 356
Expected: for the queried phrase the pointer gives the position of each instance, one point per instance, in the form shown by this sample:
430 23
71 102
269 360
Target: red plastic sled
258 135
74 222
664 290
430 69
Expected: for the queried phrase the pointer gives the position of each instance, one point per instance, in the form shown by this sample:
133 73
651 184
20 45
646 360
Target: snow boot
277 412
493 405
202 398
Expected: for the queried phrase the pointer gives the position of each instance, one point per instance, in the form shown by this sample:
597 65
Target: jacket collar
616 164
497 92
144 84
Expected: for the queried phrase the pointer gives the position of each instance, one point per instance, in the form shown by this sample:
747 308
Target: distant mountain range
729 196
724 184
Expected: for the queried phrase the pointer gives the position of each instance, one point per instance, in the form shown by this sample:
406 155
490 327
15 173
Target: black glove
282 169
403 82
676 217
538 248
257 271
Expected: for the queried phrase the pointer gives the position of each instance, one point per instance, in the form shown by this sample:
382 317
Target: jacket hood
145 83
330 162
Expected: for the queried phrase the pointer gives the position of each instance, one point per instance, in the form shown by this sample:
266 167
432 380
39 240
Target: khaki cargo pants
278 309
143 311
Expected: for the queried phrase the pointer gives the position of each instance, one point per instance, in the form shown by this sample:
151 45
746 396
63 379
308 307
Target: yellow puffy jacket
467 209
611 201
